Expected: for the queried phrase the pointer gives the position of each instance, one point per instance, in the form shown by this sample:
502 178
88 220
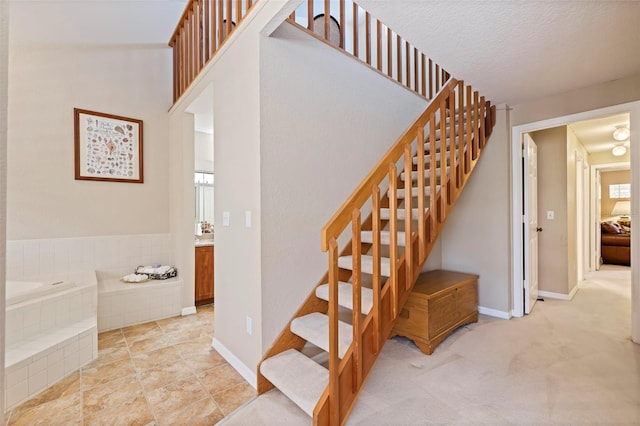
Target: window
620 190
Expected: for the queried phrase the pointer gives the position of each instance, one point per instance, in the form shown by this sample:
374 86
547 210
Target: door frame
517 290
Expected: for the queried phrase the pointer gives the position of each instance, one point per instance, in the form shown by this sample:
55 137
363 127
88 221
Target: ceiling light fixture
621 133
619 150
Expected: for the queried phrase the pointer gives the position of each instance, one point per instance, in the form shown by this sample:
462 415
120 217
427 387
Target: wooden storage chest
440 302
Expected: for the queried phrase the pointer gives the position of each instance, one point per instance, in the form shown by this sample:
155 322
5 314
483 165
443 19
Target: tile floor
158 373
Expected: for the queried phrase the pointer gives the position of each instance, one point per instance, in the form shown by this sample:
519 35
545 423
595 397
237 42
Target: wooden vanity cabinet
204 275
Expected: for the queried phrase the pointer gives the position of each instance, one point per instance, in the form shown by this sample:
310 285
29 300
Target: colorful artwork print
108 147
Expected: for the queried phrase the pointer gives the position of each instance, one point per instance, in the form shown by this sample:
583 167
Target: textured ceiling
514 51
93 21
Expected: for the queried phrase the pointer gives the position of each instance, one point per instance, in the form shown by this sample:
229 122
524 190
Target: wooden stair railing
431 163
352 29
202 30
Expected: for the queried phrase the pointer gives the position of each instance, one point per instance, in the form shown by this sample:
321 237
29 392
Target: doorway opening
585 220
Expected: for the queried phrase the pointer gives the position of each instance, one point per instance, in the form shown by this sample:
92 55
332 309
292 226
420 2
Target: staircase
393 219
390 222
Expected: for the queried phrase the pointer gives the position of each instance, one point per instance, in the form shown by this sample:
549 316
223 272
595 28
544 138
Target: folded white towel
135 278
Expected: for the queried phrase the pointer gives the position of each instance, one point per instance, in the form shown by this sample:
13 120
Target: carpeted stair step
314 328
427 173
385 237
427 157
427 145
366 264
345 296
385 215
302 380
402 192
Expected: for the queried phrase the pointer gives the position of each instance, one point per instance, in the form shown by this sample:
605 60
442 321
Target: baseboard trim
558 296
189 311
494 313
249 376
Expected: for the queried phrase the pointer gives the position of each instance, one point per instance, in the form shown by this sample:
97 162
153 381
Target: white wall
476 237
326 120
203 151
45 84
236 115
4 85
234 76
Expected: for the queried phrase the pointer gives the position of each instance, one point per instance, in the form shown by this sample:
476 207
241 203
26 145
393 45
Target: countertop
204 243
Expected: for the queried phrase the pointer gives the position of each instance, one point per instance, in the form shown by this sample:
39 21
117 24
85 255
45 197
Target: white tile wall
68 258
52 337
43 363
148 302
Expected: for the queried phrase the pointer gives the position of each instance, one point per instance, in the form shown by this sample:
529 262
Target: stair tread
345 296
385 237
427 173
427 157
314 328
366 264
401 193
386 215
302 380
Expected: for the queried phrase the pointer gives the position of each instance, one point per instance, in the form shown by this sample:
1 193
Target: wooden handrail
201 31
342 217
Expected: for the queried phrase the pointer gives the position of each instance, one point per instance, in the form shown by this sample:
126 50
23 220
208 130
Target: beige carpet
566 363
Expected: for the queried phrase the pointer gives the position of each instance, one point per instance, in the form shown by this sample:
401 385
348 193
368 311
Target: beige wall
611 178
476 237
552 195
326 120
45 84
606 157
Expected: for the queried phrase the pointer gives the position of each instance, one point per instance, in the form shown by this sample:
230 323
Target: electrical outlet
249 326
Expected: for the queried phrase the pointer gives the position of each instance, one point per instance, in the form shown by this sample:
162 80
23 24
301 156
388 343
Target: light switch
550 214
247 219
225 218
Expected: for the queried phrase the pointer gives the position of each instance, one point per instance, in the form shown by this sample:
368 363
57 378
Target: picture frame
107 147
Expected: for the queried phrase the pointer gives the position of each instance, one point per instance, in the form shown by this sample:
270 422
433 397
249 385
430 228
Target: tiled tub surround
36 357
48 337
69 258
121 304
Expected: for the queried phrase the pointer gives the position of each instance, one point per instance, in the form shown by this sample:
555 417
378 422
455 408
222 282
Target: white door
530 216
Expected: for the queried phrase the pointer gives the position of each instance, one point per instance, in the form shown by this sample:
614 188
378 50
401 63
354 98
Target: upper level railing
201 31
348 26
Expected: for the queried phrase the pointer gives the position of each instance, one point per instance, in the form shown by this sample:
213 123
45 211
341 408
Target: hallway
568 362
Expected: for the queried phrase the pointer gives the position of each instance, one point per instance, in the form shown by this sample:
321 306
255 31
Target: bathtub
19 291
50 332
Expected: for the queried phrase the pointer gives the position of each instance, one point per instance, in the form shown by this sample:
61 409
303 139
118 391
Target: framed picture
107 147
